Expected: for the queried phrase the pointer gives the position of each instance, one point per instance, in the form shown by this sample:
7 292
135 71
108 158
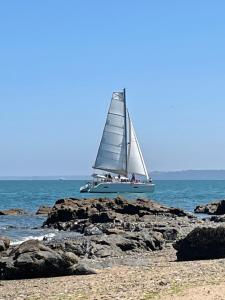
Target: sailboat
119 153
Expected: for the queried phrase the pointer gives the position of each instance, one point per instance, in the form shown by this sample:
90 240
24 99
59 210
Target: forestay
112 151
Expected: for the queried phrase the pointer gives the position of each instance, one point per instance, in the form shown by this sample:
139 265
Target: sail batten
112 149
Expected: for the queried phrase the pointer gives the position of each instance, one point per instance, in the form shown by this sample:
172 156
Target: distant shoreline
155 175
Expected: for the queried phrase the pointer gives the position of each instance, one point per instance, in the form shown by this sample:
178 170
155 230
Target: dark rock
67 214
112 245
146 240
169 234
103 246
33 259
129 241
103 217
80 247
202 243
91 247
44 210
83 269
66 201
13 211
103 251
4 243
178 212
213 208
216 219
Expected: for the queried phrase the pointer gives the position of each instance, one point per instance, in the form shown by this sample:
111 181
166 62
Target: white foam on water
49 236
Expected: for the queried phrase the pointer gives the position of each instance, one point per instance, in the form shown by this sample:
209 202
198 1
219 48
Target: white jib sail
136 162
112 151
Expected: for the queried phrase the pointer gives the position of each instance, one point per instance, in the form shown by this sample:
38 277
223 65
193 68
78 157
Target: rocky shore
112 234
212 208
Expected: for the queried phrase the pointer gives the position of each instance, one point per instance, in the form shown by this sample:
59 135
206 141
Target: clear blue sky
61 60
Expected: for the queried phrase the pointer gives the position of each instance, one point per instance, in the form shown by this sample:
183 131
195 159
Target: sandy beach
156 276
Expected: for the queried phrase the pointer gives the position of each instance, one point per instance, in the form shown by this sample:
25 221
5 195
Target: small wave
49 236
8 193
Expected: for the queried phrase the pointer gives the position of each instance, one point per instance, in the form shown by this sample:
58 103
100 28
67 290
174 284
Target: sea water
30 194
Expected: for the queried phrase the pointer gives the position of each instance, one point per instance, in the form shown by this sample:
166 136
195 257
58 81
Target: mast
125 127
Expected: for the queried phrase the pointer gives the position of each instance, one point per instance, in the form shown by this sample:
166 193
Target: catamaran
119 153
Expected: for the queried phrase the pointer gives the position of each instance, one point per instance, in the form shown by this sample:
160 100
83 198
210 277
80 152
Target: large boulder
114 244
83 269
202 243
213 208
34 259
12 211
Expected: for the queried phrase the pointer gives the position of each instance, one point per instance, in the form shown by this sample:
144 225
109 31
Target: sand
156 276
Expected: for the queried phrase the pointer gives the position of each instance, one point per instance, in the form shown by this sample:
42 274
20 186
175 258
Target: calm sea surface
30 194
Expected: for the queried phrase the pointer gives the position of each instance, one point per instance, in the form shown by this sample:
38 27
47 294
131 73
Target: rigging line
115 114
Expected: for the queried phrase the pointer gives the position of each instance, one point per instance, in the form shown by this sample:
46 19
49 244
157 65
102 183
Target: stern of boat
85 188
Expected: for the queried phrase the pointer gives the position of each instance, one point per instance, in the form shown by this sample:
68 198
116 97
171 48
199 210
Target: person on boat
119 177
109 177
133 177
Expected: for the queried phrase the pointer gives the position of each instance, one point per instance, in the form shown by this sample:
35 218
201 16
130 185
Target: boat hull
119 187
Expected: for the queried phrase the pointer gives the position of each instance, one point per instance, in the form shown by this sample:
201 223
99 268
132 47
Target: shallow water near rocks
30 194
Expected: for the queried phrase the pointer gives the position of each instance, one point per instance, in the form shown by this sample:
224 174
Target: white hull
118 187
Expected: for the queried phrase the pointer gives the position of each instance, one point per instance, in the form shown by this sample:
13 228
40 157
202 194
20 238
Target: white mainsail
136 162
112 152
119 151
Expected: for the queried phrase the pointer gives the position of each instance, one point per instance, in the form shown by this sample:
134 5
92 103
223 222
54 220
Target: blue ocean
30 194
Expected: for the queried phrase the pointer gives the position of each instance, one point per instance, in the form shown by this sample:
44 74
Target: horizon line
86 175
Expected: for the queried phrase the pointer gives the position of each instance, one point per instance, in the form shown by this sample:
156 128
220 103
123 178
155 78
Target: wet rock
213 208
13 212
202 243
44 210
33 259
